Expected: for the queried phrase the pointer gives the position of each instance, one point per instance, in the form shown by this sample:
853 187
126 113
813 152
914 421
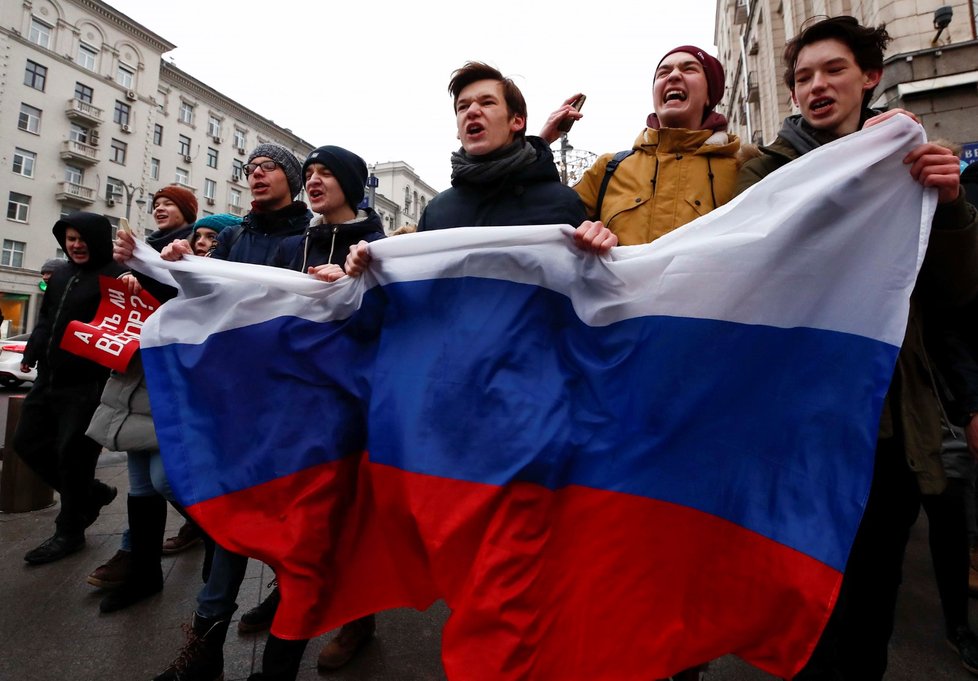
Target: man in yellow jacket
682 166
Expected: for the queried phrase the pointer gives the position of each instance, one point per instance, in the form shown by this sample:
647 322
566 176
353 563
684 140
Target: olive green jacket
949 277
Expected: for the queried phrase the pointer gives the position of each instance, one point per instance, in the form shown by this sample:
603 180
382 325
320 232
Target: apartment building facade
400 195
931 66
95 119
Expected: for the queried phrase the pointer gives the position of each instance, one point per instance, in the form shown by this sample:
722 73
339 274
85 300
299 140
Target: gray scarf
797 132
490 167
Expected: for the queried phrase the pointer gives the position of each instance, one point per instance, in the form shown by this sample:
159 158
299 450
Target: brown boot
352 637
188 535
113 573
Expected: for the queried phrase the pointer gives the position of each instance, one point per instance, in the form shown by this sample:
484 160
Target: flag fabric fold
609 467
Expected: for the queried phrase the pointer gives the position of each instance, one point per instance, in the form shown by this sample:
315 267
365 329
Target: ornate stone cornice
187 83
124 23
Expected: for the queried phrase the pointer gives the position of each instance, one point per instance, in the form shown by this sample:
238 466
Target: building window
184 144
234 198
78 133
213 126
211 157
121 113
113 189
87 56
125 76
30 119
158 135
118 154
35 75
74 175
237 170
183 176
40 33
239 139
186 114
13 253
210 189
24 162
154 168
18 207
83 93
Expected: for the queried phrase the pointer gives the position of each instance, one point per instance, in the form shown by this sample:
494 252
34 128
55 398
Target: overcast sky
372 76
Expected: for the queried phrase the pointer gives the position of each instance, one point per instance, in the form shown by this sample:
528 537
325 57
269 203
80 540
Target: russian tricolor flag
609 467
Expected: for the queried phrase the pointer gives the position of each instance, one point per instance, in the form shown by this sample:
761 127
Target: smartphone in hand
565 125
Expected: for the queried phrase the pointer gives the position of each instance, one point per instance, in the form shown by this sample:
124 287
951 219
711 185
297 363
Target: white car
11 356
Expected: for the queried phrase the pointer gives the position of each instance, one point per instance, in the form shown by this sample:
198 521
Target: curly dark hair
867 44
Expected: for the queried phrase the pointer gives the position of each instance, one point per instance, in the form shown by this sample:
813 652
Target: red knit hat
183 198
711 67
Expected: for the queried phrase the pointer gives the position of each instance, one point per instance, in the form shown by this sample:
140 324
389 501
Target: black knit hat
349 170
286 159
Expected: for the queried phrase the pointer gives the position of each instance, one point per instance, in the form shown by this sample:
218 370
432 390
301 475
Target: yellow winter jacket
674 177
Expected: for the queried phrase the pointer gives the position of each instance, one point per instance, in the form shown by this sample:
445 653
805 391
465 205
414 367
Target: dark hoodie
325 243
73 293
532 195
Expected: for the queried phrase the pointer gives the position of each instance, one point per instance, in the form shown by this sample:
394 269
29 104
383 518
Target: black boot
280 661
260 617
147 522
202 657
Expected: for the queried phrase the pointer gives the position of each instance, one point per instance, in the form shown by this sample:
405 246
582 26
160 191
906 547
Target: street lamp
131 190
565 146
372 183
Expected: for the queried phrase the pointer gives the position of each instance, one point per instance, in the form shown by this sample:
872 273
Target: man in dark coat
832 68
500 176
51 434
335 178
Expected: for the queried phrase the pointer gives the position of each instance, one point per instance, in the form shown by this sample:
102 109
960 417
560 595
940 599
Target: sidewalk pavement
51 628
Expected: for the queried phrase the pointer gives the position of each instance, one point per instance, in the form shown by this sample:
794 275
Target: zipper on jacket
54 324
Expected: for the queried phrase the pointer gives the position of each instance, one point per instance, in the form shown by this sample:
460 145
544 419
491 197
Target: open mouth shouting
821 104
674 95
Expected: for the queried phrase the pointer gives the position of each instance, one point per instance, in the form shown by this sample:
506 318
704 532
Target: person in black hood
51 434
335 179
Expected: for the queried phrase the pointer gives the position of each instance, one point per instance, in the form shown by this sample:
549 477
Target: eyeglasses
267 166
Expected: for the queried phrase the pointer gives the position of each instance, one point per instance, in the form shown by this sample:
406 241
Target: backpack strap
609 170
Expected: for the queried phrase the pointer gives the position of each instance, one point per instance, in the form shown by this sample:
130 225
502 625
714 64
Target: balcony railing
72 150
75 193
235 209
753 91
741 11
83 110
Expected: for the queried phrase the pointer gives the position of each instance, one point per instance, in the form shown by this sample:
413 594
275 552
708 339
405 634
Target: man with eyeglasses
275 179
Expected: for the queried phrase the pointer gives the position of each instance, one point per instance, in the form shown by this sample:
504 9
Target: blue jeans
218 597
146 478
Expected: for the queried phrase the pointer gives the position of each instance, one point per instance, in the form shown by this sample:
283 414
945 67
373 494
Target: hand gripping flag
610 467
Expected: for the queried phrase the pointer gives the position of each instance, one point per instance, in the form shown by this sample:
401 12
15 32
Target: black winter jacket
73 293
257 238
530 196
324 243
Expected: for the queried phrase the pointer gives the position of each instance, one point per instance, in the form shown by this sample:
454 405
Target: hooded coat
673 177
530 196
325 243
73 293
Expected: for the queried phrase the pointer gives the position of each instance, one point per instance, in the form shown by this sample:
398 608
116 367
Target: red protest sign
113 336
